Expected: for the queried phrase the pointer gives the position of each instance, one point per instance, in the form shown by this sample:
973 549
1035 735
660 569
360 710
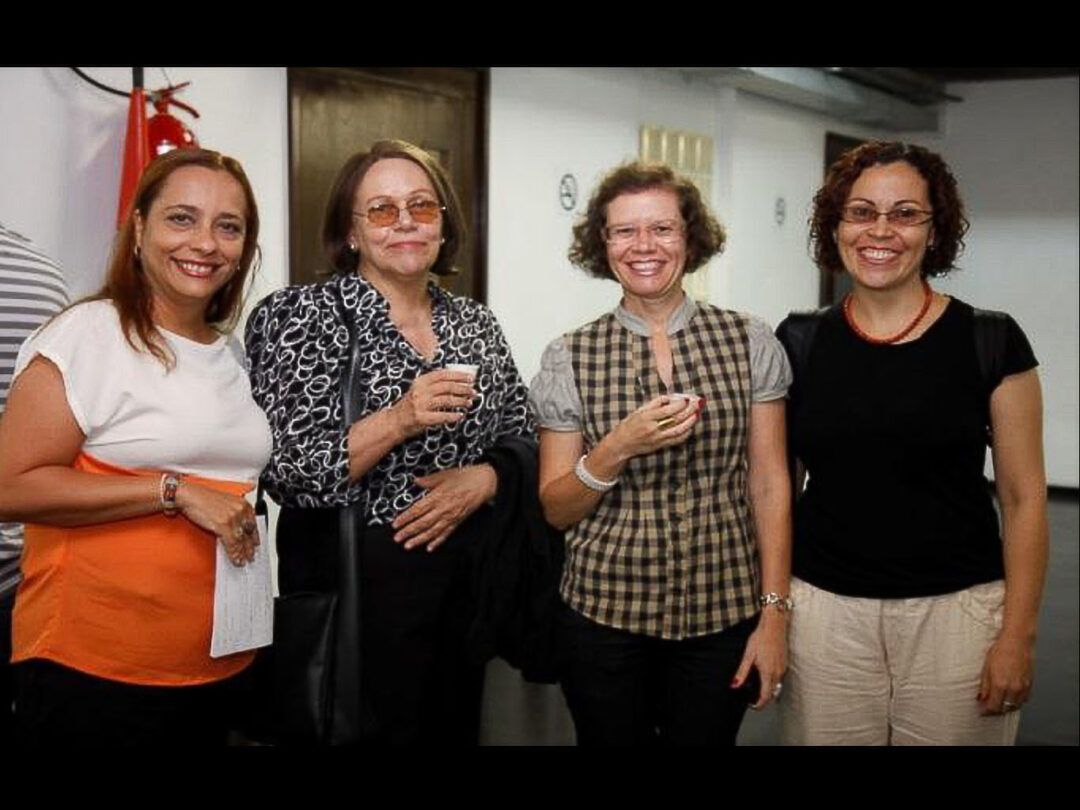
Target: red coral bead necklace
903 333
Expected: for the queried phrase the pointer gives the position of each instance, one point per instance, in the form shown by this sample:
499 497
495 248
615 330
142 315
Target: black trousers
415 607
59 707
629 689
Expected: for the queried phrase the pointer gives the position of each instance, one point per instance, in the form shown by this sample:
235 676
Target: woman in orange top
128 442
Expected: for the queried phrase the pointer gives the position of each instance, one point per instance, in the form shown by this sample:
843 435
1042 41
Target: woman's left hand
1006 676
766 650
452 496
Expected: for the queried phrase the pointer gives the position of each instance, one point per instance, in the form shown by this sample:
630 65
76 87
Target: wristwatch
170 482
782 603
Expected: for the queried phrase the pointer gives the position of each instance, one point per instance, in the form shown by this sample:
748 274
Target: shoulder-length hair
704 234
949 222
125 282
337 222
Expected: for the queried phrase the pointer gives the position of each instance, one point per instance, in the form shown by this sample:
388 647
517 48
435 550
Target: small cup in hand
694 398
465 368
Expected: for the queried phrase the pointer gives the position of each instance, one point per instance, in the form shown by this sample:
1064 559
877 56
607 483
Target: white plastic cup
691 397
465 368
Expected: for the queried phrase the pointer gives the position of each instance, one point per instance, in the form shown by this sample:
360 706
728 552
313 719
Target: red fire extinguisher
166 132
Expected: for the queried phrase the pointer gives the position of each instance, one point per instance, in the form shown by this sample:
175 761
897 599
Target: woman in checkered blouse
662 457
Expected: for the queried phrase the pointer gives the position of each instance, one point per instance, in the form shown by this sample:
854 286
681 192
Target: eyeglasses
423 211
666 231
859 214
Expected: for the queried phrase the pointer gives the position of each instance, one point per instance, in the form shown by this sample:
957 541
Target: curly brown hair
337 221
949 222
704 235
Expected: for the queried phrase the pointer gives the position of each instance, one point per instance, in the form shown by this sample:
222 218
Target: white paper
243 601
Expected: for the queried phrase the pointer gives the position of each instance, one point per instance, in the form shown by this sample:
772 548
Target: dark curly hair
949 221
704 235
337 221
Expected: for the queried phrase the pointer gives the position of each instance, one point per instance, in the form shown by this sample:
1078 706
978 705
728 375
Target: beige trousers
891 671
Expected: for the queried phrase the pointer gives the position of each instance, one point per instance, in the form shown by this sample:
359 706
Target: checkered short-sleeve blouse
671 551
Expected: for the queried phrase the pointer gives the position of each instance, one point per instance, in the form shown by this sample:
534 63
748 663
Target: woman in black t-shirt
914 622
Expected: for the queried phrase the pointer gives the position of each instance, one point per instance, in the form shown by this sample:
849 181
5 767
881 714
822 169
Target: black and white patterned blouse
297 348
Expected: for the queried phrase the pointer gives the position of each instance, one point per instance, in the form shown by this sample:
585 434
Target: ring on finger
777 689
666 422
1009 706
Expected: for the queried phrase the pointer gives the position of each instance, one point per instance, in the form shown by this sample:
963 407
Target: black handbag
315 661
309 683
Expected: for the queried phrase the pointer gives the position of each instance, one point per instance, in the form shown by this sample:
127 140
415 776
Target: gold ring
667 421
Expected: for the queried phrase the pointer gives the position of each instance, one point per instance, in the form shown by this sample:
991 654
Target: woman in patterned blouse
662 456
414 460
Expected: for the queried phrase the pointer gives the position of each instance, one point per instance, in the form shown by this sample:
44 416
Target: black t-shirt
894 438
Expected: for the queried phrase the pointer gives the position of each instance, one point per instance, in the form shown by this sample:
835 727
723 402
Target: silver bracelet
591 481
782 603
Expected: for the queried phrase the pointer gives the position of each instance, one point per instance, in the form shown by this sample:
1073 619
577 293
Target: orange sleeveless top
131 600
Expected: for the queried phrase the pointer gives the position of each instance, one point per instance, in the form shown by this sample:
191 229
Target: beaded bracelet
591 481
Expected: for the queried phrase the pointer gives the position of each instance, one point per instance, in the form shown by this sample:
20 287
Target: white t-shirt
196 418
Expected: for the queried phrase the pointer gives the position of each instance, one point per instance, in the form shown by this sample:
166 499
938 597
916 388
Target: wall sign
568 192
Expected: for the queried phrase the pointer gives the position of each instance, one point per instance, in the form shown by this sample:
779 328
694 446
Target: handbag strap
991 340
351 714
261 509
797 336
991 344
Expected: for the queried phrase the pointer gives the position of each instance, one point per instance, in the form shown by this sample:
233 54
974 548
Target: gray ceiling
926 85
990 74
898 99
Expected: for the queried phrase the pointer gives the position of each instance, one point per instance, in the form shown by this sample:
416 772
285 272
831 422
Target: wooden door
336 112
834 286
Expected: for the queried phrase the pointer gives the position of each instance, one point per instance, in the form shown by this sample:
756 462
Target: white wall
776 151
548 121
1013 148
544 123
61 145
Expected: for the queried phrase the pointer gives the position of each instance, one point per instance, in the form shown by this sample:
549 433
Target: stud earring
352 246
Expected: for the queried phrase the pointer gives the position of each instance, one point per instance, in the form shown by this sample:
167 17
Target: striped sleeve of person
32 290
